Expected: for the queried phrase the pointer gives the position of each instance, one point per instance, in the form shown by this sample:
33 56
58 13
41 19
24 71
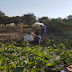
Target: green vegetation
52 55
28 58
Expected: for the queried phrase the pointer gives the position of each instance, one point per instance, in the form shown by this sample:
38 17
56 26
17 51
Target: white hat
37 23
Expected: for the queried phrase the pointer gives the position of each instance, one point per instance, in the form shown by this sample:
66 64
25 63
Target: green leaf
56 50
37 46
25 70
49 40
38 58
42 70
3 45
45 61
61 44
51 64
64 46
68 61
62 53
34 70
47 57
29 49
14 65
59 68
57 62
41 54
70 55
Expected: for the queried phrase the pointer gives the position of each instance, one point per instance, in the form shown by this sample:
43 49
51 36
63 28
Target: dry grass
14 34
8 37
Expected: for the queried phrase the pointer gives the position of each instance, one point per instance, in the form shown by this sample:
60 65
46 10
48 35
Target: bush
52 57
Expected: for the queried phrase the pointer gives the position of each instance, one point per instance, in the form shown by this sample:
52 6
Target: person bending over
36 39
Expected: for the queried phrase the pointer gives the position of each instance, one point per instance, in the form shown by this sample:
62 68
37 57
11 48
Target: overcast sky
49 8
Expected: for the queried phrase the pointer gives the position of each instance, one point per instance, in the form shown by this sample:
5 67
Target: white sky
49 8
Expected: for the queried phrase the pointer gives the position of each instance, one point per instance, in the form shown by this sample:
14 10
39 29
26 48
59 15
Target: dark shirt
43 31
36 39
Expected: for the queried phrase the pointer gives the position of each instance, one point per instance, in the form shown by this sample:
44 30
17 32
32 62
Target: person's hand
68 69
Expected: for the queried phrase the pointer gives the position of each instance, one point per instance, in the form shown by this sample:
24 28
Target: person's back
43 30
36 39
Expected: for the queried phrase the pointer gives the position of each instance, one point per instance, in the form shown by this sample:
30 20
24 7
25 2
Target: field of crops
23 57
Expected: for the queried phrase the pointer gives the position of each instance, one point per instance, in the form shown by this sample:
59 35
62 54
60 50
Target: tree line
29 19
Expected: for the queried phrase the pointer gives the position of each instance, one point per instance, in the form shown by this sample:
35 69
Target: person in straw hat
36 38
